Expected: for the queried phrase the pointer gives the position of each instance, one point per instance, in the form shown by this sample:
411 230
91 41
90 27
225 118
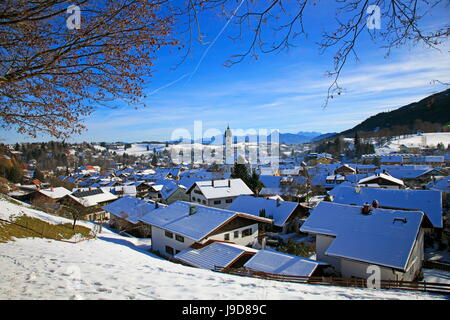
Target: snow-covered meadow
117 267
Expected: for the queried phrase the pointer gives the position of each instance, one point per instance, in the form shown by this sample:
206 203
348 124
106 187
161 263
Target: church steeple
229 150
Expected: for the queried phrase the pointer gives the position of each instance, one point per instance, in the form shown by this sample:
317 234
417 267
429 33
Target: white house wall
322 244
243 241
200 198
160 241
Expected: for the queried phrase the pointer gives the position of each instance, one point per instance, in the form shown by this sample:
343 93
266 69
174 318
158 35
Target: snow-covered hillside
415 141
117 267
138 149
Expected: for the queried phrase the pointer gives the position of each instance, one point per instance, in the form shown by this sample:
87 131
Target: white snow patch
415 141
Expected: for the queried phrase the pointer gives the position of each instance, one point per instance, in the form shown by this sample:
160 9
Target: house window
169 250
199 201
193 198
177 251
204 201
247 232
197 192
227 236
179 238
168 234
229 200
236 234
217 201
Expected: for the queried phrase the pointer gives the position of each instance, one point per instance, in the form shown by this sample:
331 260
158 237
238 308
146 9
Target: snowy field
416 141
117 267
138 149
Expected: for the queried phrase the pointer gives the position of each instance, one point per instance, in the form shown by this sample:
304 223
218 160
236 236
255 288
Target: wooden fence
341 282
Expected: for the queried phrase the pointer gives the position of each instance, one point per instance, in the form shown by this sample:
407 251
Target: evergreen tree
154 160
254 183
14 174
240 171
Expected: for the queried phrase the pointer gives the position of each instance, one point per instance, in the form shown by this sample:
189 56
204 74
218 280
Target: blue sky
283 91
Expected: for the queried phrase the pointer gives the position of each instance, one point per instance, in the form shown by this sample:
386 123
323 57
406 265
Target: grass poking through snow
29 227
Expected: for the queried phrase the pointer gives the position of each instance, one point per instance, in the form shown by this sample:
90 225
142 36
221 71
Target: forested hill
428 115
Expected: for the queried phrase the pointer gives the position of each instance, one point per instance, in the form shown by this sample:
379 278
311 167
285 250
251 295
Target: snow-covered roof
280 210
92 197
216 254
384 237
55 193
440 185
176 218
167 187
422 200
395 158
130 208
276 262
382 176
402 173
222 188
346 166
427 159
335 178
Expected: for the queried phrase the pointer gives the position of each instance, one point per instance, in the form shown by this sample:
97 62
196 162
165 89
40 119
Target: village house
125 214
434 161
392 159
429 202
217 254
49 196
218 193
415 177
90 203
285 214
167 191
281 186
182 225
275 262
382 180
344 170
353 238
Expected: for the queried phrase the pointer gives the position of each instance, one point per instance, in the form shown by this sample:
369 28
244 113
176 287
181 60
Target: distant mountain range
286 138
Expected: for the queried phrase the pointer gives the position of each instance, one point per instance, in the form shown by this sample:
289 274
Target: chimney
212 182
375 204
192 210
156 205
262 213
278 202
229 183
366 209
